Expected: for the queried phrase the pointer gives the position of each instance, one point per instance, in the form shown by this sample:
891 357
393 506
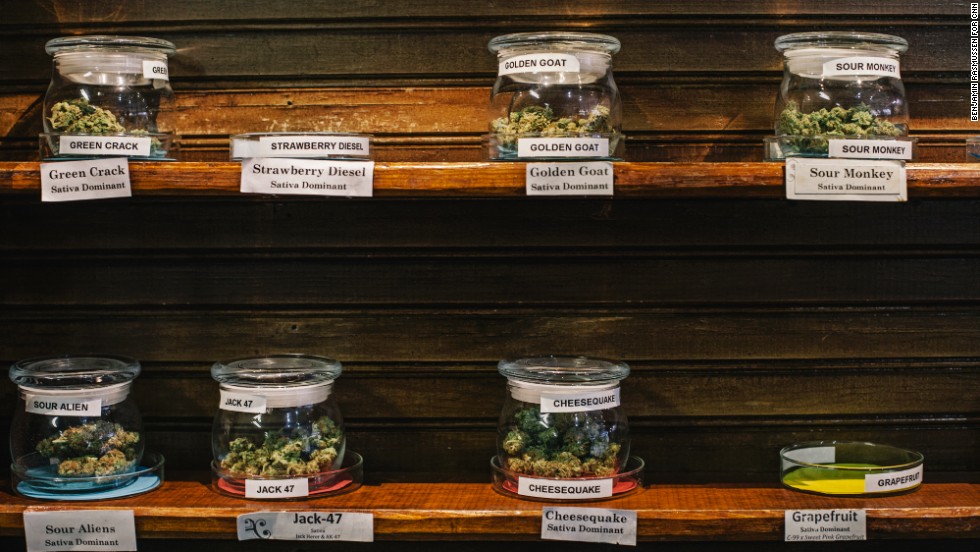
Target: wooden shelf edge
473 511
479 180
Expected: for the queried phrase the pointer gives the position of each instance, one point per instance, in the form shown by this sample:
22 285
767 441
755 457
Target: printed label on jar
156 70
574 490
580 402
870 149
862 67
313 146
894 481
277 488
539 63
242 402
97 146
63 406
562 147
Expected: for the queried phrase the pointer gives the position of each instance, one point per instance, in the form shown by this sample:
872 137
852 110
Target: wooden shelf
188 508
654 180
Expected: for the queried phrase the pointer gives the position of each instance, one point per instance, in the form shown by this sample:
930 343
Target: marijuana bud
97 448
810 132
537 120
79 117
286 452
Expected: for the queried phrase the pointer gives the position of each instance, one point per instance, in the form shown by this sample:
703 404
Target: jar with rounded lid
562 418
104 85
554 96
838 85
75 427
278 420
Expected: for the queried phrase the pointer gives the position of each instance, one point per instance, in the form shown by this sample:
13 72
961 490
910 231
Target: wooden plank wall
698 79
750 324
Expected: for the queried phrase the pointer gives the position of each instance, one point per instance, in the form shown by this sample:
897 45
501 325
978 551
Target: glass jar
109 86
562 420
278 433
838 85
554 97
75 428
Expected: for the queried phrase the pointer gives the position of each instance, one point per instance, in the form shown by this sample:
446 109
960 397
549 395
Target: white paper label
277 488
562 147
539 63
313 146
870 149
155 70
825 525
85 179
63 406
894 481
589 525
307 526
104 145
242 402
565 490
580 402
861 66
845 179
563 179
271 175
99 530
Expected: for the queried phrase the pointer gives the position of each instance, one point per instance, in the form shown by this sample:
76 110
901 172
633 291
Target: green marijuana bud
538 120
565 445
80 117
97 448
810 132
285 453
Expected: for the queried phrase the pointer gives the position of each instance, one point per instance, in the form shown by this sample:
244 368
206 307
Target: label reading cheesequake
539 63
580 402
552 489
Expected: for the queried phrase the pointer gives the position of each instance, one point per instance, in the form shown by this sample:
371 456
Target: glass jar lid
104 42
74 372
564 370
554 40
277 371
843 40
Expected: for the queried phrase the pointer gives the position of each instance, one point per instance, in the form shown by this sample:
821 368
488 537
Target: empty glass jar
75 427
115 86
278 433
554 97
838 85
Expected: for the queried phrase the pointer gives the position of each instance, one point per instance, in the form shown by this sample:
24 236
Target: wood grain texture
432 511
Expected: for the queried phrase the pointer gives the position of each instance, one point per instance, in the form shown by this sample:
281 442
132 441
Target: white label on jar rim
589 525
564 179
242 402
813 455
313 146
862 66
85 179
272 175
104 145
95 530
825 525
846 179
307 526
574 490
870 149
894 481
48 405
277 488
156 70
580 402
562 147
539 63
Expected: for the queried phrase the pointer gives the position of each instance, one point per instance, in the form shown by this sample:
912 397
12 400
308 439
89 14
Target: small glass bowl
844 468
556 489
